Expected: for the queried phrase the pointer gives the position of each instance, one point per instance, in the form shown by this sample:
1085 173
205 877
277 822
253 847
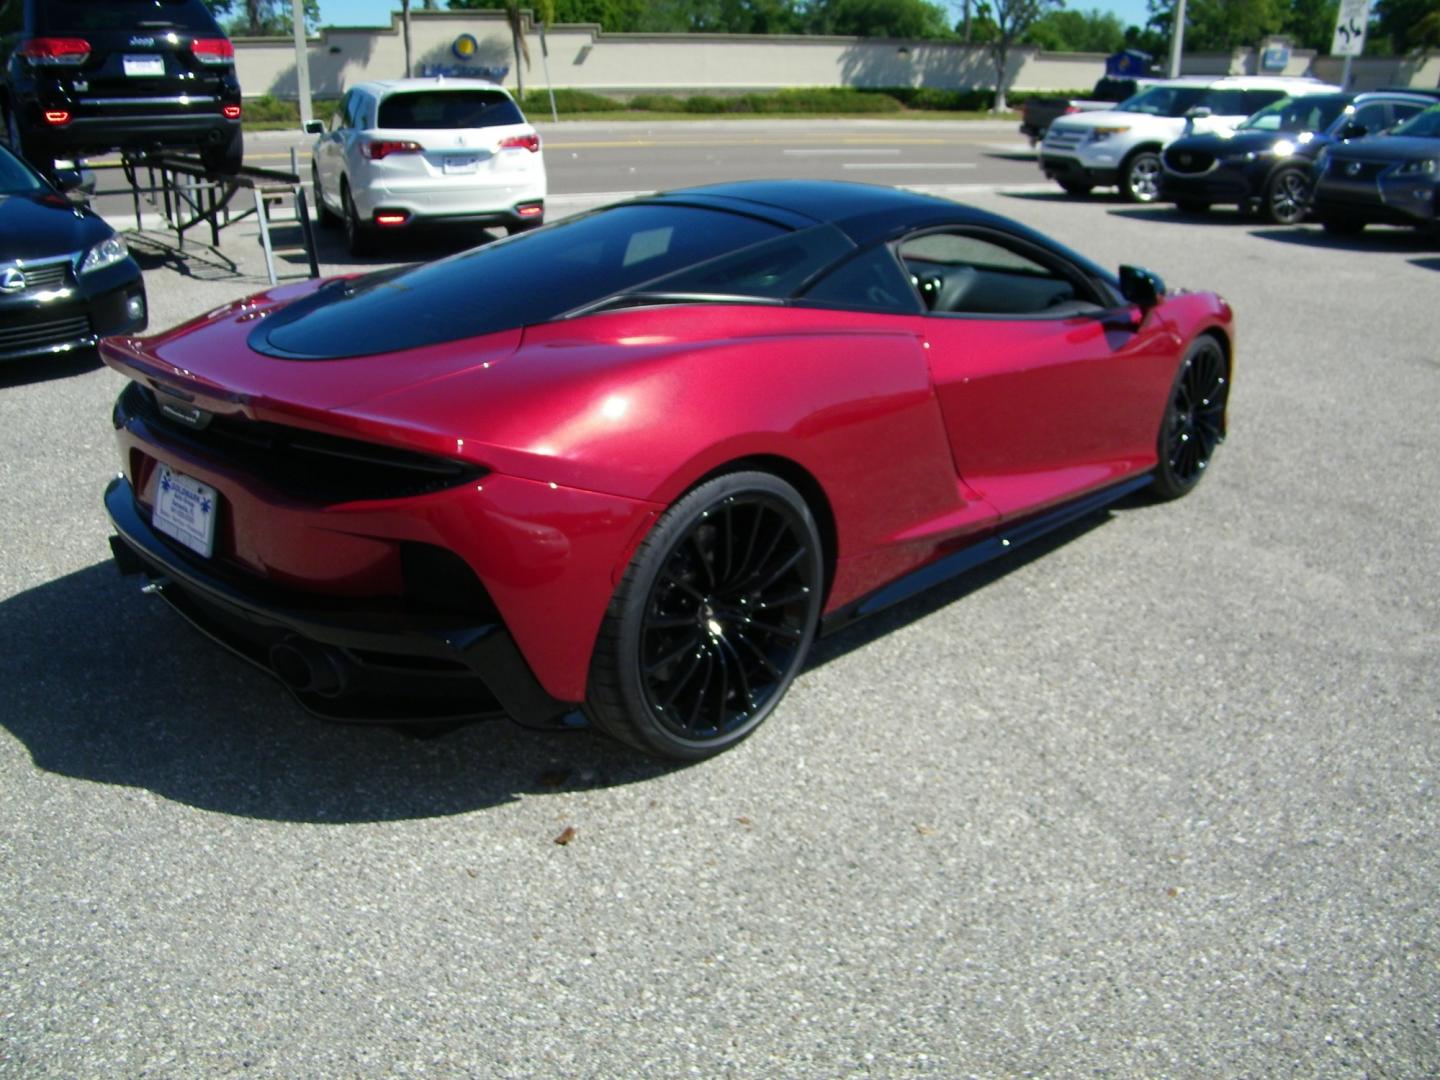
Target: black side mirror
1141 287
315 127
78 184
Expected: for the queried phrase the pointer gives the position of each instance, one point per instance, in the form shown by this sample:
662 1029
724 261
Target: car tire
1192 206
712 620
1194 422
1078 188
227 158
357 234
324 216
1140 177
1337 226
1287 196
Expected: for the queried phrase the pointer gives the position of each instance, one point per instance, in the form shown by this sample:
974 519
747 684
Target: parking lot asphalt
1156 798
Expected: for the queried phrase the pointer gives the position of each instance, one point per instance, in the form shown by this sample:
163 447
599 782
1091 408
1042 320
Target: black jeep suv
89 76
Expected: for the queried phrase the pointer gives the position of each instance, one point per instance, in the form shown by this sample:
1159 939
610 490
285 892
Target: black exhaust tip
307 668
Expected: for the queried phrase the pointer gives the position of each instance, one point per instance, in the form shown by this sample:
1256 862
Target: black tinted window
15 178
775 268
502 286
448 109
57 16
869 282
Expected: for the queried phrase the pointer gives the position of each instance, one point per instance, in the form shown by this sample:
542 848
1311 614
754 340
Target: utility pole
302 61
1177 39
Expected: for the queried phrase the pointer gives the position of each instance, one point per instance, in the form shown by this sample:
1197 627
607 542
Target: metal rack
188 196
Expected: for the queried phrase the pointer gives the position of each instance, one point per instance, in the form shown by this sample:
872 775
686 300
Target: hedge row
271 111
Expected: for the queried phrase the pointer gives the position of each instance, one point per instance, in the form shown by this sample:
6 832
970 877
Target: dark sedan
1265 164
1390 179
66 279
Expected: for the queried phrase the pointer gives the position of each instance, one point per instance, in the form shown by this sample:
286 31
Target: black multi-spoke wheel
712 620
1194 423
1287 196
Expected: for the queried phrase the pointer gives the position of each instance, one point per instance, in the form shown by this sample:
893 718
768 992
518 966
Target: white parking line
908 165
848 151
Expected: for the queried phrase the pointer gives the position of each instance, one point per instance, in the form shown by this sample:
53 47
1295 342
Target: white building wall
584 57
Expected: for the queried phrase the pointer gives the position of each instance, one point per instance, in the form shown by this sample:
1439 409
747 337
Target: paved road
1156 800
585 157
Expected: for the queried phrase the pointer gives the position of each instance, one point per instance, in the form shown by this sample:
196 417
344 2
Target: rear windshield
57 16
448 109
502 286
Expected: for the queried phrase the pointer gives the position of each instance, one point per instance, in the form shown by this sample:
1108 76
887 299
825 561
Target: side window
958 273
1372 117
1404 110
337 118
872 281
1252 101
1228 103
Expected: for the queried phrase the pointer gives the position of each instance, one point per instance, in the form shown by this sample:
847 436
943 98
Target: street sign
1350 27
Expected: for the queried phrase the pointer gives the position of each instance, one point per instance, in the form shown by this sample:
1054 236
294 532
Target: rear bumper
340 661
492 203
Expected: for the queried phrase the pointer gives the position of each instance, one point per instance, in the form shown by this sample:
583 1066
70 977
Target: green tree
1077 31
877 18
262 18
1009 21
616 16
1406 25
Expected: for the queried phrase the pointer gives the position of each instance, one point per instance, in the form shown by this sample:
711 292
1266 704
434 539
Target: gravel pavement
1154 798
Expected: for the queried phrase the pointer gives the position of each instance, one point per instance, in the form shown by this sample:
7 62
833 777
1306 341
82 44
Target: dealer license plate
456 164
144 65
185 509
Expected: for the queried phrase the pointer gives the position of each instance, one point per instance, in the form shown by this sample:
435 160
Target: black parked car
1265 164
86 77
66 279
1387 179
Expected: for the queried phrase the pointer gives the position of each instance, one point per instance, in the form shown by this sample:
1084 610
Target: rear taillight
213 50
57 117
230 112
383 148
529 142
56 50
1071 109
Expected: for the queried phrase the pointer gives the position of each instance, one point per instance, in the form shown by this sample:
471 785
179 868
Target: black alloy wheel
357 234
1287 196
1194 423
712 621
1140 177
324 216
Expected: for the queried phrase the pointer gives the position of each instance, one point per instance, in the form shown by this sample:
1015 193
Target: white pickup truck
1121 147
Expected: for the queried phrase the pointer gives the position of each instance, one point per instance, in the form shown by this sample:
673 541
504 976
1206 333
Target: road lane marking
833 151
908 165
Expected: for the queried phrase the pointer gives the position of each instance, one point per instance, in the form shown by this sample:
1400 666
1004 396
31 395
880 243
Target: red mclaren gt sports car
633 462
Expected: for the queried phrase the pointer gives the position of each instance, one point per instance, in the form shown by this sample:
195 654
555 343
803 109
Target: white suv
405 151
1121 146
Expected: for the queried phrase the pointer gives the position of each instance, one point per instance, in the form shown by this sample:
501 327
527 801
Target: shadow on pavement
858 635
1165 212
1426 264
1373 239
103 684
46 368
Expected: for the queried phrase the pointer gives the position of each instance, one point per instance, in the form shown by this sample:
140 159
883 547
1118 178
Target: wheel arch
803 481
